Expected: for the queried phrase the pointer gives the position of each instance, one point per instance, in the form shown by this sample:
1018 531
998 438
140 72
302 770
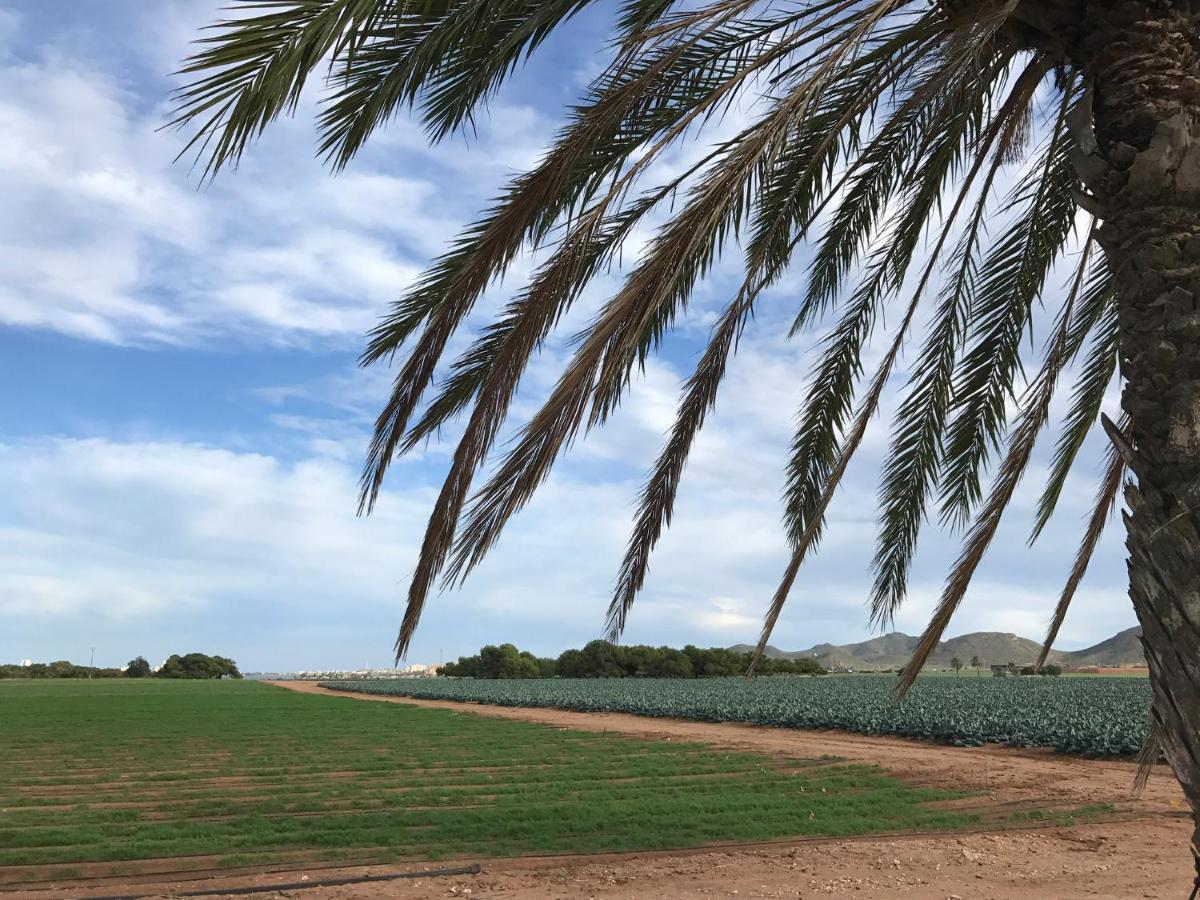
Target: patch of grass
109 772
1061 817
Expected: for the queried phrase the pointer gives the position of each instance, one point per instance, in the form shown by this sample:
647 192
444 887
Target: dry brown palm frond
1149 755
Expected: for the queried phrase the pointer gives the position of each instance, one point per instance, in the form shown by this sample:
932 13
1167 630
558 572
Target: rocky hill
890 651
1123 649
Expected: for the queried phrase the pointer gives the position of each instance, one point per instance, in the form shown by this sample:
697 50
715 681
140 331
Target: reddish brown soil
1105 861
1140 851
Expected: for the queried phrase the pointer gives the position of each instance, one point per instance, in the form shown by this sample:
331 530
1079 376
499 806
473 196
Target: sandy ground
1140 852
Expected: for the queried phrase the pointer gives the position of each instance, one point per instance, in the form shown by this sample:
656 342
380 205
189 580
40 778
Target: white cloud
106 238
135 531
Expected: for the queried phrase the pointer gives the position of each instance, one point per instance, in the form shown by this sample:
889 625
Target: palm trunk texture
1145 67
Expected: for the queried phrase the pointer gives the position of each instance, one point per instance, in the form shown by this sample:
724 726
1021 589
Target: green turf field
191 775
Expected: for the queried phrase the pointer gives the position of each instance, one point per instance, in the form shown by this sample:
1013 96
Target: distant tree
1051 670
674 664
570 664
956 665
500 661
62 669
138 668
1028 670
601 659
198 666
976 664
806 665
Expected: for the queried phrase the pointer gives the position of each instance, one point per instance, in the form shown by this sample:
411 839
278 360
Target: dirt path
1112 861
1143 855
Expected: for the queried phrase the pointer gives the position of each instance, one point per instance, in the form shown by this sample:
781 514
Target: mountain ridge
889 651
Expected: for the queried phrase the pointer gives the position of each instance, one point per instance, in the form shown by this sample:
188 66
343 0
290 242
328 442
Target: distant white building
415 670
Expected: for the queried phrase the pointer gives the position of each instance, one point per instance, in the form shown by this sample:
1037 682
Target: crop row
1086 716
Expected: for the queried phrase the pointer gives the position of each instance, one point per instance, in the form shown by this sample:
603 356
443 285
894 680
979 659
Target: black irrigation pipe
473 869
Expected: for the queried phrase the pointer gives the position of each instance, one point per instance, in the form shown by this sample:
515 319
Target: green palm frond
829 401
911 469
630 105
795 190
1034 415
866 119
1096 316
1009 282
253 68
1106 499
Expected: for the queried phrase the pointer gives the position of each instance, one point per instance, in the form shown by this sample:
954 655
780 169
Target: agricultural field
107 779
1086 716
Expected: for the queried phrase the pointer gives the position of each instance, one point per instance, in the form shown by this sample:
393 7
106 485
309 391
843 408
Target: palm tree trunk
1145 175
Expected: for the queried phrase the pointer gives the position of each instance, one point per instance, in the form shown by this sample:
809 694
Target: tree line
188 665
601 659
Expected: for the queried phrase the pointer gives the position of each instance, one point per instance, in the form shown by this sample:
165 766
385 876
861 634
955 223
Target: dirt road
1140 853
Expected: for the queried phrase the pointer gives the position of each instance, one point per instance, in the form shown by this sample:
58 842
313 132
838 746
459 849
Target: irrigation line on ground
473 869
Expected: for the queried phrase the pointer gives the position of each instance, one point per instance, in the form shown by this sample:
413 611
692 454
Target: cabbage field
1086 716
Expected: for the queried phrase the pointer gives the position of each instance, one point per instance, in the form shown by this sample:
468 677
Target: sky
183 421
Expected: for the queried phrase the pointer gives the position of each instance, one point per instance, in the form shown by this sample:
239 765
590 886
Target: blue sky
183 420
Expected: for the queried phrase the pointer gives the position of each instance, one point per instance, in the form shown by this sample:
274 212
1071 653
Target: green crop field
104 778
1088 716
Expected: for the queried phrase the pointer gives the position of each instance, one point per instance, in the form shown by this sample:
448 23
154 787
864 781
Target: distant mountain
890 651
1124 649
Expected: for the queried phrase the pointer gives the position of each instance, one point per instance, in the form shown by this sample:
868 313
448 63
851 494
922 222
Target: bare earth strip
1142 854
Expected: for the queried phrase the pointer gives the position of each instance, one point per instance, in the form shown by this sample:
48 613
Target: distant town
416 670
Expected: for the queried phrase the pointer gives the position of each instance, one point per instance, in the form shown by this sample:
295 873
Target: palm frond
1096 315
999 128
829 399
661 281
256 66
811 533
865 117
1150 753
448 65
796 191
1009 282
916 445
1034 414
588 150
1106 498
633 319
